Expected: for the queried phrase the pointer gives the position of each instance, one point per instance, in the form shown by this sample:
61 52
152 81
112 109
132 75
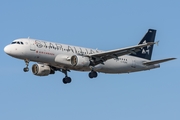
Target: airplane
52 57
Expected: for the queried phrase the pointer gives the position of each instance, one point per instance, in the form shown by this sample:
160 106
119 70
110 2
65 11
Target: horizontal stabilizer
158 61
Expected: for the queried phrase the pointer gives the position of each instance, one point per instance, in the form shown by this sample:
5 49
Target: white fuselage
49 52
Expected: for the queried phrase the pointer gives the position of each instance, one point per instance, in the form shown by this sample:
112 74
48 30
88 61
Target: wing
103 56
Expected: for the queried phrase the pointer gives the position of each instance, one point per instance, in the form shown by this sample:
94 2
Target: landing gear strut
26 69
93 74
66 79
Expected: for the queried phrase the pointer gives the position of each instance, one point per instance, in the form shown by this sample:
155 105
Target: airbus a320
52 57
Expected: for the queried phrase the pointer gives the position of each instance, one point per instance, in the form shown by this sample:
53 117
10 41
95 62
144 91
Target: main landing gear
66 79
93 74
26 69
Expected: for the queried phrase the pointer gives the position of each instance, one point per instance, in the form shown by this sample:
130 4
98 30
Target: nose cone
7 50
16 51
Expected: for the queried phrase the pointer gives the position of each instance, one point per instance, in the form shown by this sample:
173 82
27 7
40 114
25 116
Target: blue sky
98 24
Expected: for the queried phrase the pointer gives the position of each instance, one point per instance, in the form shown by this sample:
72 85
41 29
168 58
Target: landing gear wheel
67 80
64 81
93 74
26 69
90 75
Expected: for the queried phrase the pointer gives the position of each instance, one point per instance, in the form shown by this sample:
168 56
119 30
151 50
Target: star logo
146 49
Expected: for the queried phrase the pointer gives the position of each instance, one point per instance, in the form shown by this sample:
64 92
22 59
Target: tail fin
146 52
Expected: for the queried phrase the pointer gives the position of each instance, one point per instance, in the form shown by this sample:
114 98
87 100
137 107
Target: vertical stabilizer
146 52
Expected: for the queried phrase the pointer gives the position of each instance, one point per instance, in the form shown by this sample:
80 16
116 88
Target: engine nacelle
41 70
80 61
63 59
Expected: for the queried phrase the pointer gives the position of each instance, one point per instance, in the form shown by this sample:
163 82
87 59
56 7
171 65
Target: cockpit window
17 42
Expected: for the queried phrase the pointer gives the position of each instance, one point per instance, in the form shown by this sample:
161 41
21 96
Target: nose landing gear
26 69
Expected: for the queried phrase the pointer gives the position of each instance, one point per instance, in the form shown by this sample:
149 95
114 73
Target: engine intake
41 70
80 61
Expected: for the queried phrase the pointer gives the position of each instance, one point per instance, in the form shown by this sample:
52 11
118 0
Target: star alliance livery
51 57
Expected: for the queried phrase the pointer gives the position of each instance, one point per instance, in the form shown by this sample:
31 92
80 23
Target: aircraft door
133 63
32 45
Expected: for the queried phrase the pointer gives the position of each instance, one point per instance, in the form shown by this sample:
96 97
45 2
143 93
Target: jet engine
41 70
80 61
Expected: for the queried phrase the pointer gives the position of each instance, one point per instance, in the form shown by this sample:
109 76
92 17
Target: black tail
146 52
